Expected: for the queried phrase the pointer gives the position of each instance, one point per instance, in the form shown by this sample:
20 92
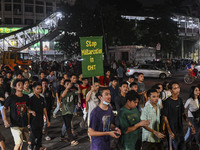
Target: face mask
106 103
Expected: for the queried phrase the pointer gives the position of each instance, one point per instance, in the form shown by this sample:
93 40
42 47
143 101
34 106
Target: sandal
74 143
64 140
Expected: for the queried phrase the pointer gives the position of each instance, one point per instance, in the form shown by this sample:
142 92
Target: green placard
92 55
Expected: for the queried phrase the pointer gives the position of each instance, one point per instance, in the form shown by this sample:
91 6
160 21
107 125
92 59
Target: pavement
84 143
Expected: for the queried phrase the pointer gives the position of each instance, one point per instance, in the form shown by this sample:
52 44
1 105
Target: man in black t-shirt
120 99
173 111
37 104
18 104
49 99
3 94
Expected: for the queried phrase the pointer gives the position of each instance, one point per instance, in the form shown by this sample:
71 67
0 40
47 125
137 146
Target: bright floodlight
47 21
59 15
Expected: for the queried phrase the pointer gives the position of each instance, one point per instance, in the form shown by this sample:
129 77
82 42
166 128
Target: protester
60 88
120 73
52 79
92 100
150 134
141 89
106 79
3 95
48 95
102 122
192 104
166 92
134 86
120 99
18 104
84 87
26 89
173 111
129 122
38 105
130 80
68 105
114 90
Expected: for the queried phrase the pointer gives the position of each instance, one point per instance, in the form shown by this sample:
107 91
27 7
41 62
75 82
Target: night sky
150 2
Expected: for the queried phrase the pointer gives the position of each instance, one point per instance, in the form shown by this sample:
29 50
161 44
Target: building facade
131 54
21 13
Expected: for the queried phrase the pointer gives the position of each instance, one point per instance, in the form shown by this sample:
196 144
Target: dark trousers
67 120
178 143
36 137
152 146
36 132
1 137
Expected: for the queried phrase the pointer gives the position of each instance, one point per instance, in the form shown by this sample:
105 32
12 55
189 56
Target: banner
92 56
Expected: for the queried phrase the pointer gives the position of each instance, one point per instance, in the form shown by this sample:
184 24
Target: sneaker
29 147
47 138
54 115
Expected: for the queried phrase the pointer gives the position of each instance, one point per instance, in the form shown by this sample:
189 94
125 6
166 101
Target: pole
41 51
182 48
92 80
104 38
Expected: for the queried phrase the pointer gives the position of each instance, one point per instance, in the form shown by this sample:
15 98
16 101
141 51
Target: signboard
8 30
92 56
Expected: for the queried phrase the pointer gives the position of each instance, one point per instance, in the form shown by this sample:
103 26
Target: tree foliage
104 19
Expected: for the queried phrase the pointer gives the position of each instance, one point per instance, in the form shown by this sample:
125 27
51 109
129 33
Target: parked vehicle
149 71
12 58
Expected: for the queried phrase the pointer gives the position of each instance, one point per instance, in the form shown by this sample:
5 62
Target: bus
13 58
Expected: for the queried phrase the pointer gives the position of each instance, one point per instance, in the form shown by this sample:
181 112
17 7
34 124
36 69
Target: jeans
63 131
56 109
1 109
188 136
45 128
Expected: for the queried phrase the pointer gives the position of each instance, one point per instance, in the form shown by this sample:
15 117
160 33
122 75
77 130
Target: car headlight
30 66
20 66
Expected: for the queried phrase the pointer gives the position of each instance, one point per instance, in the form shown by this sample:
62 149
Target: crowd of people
114 109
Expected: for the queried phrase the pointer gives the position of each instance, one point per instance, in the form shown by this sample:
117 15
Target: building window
28 8
28 1
39 9
38 21
17 7
29 21
58 5
49 4
7 0
17 21
39 2
49 10
8 7
8 20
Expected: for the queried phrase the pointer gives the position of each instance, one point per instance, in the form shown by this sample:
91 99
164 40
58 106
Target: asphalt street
84 143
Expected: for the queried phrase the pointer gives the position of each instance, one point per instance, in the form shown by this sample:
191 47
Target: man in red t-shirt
84 89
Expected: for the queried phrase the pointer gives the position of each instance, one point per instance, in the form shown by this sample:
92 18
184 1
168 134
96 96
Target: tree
101 19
